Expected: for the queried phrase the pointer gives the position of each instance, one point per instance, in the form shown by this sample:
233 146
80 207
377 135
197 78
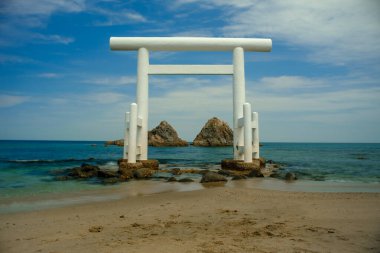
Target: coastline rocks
116 143
107 174
255 173
214 133
212 177
84 171
229 164
172 179
165 135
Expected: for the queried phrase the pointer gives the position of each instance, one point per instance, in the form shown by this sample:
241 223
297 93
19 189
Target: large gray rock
215 133
212 177
165 135
160 136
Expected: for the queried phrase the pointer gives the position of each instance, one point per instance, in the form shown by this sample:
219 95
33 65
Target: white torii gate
245 123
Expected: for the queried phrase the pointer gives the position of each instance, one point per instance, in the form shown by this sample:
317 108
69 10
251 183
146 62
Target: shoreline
134 188
209 220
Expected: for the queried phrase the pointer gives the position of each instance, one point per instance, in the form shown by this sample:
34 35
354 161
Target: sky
59 80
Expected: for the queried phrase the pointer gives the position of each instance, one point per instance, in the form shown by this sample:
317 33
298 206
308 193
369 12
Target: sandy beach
212 219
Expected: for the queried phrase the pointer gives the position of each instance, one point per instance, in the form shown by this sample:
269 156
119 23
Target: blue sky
59 80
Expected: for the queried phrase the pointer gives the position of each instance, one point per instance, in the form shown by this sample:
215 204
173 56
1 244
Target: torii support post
132 140
142 101
247 133
238 100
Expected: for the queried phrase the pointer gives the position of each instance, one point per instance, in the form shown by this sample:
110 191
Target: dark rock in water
226 173
176 171
290 176
84 171
143 173
239 177
212 177
256 164
165 135
186 180
62 178
215 133
172 179
202 172
107 173
255 173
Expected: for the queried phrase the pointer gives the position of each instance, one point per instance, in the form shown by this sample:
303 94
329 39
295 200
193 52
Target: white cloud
10 100
291 82
48 75
189 106
41 7
118 17
51 38
335 31
4 58
113 81
104 97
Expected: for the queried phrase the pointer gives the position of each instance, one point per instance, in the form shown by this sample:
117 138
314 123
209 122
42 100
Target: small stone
290 176
186 180
95 229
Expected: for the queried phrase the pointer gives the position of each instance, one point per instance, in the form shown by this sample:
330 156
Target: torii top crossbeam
190 44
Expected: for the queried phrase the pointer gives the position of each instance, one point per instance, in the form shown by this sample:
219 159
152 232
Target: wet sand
165 217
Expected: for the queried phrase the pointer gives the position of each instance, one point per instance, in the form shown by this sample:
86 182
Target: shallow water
27 168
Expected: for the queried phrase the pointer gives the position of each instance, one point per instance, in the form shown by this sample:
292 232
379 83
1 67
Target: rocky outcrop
215 133
116 143
165 135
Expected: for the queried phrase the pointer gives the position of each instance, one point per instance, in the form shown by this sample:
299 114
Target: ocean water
28 168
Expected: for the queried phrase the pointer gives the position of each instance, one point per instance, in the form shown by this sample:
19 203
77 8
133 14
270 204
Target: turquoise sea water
27 167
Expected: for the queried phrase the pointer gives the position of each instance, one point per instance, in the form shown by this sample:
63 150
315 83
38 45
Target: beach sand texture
215 219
